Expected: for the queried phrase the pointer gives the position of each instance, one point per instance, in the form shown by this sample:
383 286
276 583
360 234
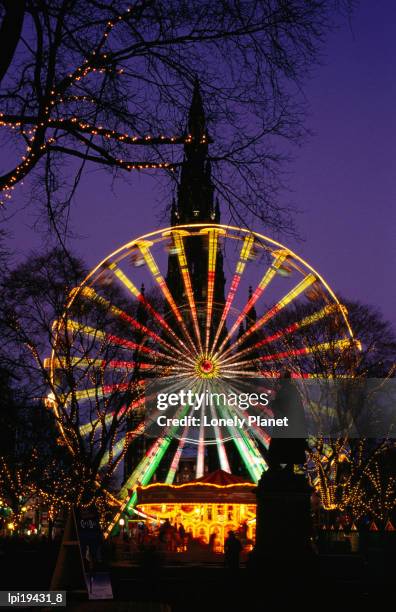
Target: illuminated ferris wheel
143 315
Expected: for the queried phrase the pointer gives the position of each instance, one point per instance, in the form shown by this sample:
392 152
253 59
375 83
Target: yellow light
206 367
248 485
178 241
213 234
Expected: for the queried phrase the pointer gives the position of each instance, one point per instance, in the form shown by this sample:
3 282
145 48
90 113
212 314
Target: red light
207 366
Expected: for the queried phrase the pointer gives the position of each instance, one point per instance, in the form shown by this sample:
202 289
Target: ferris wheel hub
206 367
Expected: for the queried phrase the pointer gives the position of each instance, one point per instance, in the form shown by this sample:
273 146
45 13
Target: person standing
232 551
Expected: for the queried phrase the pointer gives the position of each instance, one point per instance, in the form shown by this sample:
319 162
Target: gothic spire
195 193
196 116
196 204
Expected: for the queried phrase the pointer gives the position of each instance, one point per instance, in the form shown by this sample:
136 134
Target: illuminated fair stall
209 506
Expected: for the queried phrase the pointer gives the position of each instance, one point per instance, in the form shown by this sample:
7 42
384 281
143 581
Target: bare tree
32 463
353 474
107 83
89 379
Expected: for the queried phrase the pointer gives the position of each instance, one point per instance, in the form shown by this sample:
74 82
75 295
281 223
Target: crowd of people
174 538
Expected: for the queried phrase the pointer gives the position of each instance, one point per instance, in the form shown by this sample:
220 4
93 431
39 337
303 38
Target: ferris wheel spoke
86 429
258 433
255 463
249 373
177 236
287 299
345 343
112 339
240 267
156 273
170 477
139 476
177 456
147 466
242 443
213 234
235 369
259 461
112 364
280 257
221 451
199 471
140 401
150 309
290 329
91 294
244 448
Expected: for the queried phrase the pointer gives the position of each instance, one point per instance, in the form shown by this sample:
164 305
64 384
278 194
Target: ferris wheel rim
269 244
168 229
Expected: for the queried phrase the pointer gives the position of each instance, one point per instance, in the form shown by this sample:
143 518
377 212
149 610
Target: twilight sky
343 180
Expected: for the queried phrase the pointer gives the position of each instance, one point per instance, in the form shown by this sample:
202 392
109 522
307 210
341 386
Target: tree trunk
10 32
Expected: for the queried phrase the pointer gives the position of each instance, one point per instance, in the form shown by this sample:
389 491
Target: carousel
208 508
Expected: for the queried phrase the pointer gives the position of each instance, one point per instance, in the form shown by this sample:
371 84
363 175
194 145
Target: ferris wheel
143 315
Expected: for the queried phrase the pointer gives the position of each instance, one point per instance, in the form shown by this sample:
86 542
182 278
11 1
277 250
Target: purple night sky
343 180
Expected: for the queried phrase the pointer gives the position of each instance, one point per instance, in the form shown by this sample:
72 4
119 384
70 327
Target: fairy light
99 392
74 124
349 480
